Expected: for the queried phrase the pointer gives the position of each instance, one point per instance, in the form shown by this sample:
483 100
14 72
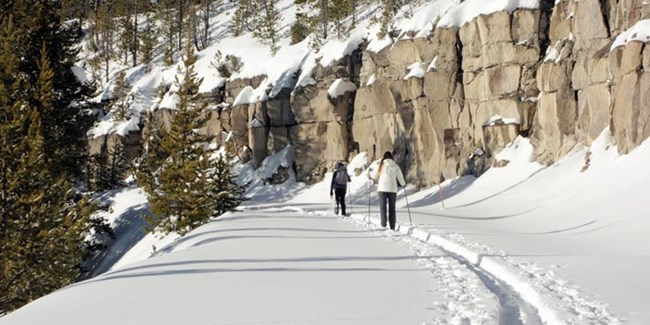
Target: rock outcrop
549 74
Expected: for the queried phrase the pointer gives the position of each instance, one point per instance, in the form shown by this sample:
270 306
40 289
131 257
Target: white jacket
390 175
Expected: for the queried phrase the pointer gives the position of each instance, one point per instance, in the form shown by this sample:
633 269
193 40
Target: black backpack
341 178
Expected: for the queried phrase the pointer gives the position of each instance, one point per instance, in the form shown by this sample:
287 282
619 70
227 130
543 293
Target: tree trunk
135 35
4 209
206 23
323 5
180 24
194 22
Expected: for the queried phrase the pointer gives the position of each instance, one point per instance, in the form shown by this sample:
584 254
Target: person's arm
373 174
332 184
400 177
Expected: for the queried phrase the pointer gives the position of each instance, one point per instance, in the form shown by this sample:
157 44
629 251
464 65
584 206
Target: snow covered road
268 268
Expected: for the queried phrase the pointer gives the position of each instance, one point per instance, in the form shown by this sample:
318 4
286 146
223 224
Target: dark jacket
334 185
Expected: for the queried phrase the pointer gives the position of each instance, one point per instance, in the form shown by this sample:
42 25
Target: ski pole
407 205
442 195
350 198
368 195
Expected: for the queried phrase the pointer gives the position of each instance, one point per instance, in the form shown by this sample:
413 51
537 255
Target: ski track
487 286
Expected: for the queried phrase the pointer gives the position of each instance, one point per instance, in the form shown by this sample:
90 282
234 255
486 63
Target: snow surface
292 66
470 9
522 244
498 119
640 32
416 70
339 87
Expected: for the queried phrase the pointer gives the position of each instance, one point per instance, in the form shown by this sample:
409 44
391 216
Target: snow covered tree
181 189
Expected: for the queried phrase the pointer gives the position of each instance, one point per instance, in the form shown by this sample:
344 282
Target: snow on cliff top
340 87
293 65
470 9
639 32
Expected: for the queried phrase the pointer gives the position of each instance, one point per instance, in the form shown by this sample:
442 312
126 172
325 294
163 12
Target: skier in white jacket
388 177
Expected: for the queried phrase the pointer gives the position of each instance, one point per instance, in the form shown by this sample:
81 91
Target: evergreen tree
108 168
44 220
66 121
127 30
118 166
319 18
148 41
388 10
165 16
43 126
299 30
268 24
206 12
119 96
244 17
103 35
97 169
179 190
224 194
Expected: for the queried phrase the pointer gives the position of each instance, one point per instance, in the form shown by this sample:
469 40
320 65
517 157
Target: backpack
341 178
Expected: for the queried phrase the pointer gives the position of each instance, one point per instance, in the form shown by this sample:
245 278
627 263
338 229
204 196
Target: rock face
446 104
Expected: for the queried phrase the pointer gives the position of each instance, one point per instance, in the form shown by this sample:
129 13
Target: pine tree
66 121
299 30
225 194
339 11
97 169
165 16
179 189
244 17
104 35
206 12
146 38
268 22
119 96
127 30
45 222
388 10
148 41
118 166
319 19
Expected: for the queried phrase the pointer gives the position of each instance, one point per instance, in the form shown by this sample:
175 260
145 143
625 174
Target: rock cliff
460 94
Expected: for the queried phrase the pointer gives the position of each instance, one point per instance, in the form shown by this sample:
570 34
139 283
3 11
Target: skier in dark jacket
339 186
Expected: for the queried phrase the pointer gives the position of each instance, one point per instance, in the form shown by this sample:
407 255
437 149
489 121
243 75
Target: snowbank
640 32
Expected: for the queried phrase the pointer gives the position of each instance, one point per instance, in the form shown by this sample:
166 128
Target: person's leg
382 207
343 191
340 198
337 198
392 197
